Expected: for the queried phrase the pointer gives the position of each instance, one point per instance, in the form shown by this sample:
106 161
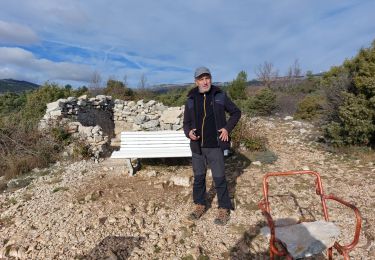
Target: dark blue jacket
221 105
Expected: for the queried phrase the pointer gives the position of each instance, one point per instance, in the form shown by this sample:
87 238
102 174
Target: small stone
184 181
256 163
151 174
111 220
170 239
102 220
288 118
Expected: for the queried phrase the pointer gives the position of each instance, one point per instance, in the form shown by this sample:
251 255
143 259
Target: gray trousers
214 158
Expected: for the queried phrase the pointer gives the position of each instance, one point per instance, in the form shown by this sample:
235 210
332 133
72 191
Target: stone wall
100 120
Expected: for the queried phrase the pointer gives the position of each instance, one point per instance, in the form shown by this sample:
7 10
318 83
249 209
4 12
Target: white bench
151 144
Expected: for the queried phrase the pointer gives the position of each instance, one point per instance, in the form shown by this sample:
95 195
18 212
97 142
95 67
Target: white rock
184 181
257 163
288 118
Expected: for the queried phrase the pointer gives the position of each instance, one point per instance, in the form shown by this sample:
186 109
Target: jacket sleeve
187 122
234 113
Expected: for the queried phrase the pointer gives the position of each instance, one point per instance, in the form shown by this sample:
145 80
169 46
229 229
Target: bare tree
294 72
266 73
125 80
142 82
96 80
296 69
95 86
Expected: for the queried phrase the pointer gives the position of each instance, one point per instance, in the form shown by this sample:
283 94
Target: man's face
204 83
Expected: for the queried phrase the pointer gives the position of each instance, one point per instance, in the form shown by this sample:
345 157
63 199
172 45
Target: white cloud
227 36
13 33
17 61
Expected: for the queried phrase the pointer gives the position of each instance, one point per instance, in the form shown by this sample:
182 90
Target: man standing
206 125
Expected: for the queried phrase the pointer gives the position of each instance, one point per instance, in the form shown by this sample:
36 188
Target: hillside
12 85
85 210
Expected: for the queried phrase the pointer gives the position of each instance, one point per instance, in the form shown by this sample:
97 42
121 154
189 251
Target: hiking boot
198 212
223 217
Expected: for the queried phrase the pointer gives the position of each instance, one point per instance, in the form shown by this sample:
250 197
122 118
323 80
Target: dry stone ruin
98 121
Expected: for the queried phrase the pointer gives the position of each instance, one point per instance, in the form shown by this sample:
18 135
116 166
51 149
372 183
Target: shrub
264 102
174 97
243 136
236 89
118 90
355 122
24 148
11 103
311 107
36 101
286 104
60 134
81 150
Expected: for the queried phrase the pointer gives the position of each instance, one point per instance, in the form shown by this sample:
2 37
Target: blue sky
165 40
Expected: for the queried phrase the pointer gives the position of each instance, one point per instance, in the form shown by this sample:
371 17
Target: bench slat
152 153
155 140
139 146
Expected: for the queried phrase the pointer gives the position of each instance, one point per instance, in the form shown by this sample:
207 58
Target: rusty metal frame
276 246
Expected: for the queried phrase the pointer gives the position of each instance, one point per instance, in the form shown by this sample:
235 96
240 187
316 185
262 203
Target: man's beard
201 90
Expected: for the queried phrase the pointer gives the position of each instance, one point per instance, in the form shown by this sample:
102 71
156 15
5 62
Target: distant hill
11 85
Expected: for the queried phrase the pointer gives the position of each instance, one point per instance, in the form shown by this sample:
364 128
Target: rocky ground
85 210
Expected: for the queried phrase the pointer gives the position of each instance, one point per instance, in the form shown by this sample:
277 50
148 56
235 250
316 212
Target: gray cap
200 71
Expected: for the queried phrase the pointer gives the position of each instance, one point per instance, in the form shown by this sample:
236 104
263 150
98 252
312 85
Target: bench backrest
153 144
154 139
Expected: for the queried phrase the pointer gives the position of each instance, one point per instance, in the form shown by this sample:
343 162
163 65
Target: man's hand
192 135
223 134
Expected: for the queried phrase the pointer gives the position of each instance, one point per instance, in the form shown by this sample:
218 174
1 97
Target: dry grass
23 149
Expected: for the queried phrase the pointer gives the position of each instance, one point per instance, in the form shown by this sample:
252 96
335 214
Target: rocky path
84 210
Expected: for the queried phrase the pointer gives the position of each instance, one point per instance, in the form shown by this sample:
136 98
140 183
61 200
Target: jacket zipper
213 108
204 117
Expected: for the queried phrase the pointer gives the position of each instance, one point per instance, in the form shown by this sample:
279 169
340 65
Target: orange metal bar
349 247
264 206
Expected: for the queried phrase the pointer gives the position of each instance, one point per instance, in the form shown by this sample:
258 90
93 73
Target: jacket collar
195 91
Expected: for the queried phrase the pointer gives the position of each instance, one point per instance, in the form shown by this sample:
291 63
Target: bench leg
132 169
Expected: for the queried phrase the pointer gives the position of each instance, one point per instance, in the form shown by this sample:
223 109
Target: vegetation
22 146
341 100
245 137
352 93
310 108
237 89
118 90
174 97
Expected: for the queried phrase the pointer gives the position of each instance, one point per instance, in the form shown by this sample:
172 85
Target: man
206 125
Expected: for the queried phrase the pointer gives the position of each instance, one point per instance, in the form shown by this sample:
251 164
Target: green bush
355 122
236 89
11 103
118 90
311 107
174 97
36 101
262 104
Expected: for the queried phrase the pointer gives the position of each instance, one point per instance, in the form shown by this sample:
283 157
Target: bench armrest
348 247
